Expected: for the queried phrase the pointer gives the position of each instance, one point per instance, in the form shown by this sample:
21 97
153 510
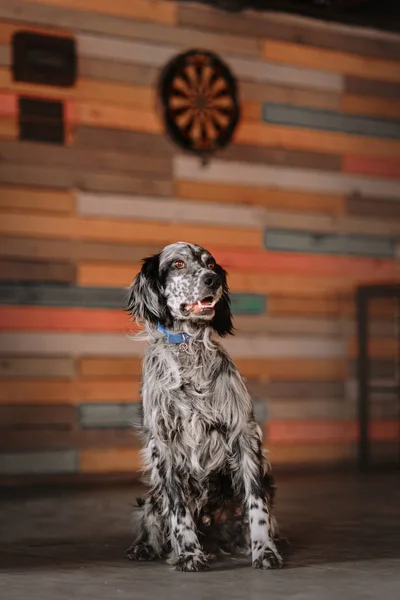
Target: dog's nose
211 280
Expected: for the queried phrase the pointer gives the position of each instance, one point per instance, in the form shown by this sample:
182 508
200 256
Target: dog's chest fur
195 409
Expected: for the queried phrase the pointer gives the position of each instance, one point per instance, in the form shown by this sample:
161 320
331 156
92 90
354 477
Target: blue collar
174 338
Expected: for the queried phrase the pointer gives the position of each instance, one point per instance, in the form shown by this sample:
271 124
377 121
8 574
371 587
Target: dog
210 485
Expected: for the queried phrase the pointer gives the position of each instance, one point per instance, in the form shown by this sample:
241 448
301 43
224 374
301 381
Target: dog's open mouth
201 306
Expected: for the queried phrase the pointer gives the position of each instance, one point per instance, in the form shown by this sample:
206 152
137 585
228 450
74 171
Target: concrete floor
70 544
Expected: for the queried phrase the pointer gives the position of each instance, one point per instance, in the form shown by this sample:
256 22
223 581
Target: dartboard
199 101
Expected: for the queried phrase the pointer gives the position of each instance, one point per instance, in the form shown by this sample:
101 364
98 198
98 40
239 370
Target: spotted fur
210 488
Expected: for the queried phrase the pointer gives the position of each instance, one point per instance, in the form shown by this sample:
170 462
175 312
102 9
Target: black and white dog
210 487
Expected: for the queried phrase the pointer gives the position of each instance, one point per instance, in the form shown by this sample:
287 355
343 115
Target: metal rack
365 294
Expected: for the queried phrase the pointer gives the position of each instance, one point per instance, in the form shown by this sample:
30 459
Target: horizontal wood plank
85 90
330 121
289 262
74 250
39 318
286 178
126 141
9 129
298 138
114 460
31 270
85 159
330 60
333 305
69 343
328 431
142 10
279 157
169 210
112 230
109 367
58 177
299 369
371 166
285 94
44 462
44 391
28 367
37 417
372 208
336 244
271 25
285 200
40 200
48 438
367 105
377 348
371 87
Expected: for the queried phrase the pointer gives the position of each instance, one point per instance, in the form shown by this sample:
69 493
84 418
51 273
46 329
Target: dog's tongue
199 306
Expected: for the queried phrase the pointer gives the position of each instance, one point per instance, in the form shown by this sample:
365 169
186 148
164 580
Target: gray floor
344 533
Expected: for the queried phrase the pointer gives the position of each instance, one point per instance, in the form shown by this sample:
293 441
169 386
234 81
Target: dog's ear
145 301
222 321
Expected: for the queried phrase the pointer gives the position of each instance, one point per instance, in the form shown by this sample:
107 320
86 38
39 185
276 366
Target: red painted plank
372 165
302 264
39 318
328 431
8 105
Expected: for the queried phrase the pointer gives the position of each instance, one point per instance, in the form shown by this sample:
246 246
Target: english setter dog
210 486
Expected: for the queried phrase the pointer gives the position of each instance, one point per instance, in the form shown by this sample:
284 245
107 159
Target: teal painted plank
317 243
330 121
248 304
37 294
109 416
39 463
62 295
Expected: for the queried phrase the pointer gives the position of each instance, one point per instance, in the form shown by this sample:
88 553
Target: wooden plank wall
301 208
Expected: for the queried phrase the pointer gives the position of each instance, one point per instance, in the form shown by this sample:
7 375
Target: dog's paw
141 552
267 557
192 562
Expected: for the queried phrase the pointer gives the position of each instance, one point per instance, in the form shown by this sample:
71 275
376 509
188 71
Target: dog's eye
179 264
210 265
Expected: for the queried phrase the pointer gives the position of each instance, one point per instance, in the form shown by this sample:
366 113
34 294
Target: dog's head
182 283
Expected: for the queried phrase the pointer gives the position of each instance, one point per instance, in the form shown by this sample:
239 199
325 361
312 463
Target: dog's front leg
249 478
187 550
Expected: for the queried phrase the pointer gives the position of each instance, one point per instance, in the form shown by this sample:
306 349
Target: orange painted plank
251 110
354 268
365 105
268 197
109 367
328 431
259 369
8 105
113 230
40 200
377 348
40 318
310 454
110 460
117 275
331 60
294 369
7 31
160 11
372 166
298 138
116 117
9 128
107 92
322 306
68 392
